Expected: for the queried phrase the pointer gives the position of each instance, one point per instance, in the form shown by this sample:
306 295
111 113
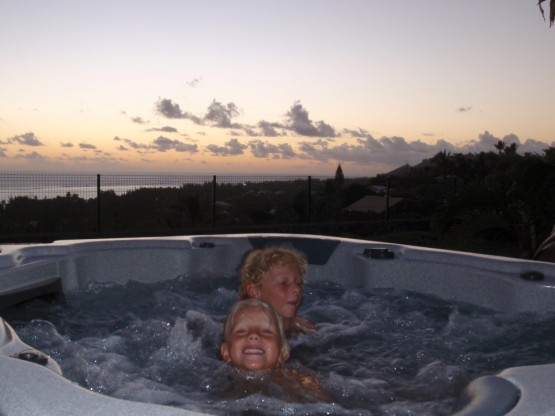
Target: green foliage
507 196
484 223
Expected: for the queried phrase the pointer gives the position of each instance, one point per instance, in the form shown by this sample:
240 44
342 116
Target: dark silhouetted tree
551 11
339 177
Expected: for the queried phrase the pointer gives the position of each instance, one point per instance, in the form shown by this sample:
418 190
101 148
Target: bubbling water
379 352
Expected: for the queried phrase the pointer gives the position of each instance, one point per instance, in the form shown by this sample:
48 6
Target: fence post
308 198
214 201
98 202
387 201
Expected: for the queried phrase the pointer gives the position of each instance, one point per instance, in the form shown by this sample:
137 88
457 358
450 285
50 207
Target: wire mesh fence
88 185
121 203
46 185
48 206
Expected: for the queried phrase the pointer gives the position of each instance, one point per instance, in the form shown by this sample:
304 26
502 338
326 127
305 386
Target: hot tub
32 384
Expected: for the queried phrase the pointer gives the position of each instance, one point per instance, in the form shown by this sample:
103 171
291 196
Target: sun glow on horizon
367 85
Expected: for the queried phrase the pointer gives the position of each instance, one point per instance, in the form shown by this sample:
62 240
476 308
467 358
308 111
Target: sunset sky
269 87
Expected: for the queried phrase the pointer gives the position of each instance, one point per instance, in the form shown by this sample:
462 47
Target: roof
372 203
401 171
407 169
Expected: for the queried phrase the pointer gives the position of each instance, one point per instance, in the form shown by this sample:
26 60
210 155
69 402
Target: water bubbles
381 352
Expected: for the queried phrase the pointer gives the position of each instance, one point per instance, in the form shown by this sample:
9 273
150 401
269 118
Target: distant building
372 203
404 170
407 169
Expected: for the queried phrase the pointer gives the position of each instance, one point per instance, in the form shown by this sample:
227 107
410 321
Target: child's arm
301 325
309 383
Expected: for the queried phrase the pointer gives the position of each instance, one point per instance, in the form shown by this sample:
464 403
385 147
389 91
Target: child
276 275
254 343
254 338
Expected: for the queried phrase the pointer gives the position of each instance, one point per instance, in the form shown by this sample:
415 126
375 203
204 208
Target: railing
48 206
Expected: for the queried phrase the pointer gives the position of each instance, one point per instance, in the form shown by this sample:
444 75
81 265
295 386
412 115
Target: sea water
375 352
43 185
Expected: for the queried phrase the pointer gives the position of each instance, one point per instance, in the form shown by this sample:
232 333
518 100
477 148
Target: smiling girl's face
254 342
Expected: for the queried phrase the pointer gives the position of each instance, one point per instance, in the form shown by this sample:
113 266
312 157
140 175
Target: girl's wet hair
260 261
268 310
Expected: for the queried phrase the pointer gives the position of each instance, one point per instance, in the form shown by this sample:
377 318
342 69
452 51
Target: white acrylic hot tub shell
493 282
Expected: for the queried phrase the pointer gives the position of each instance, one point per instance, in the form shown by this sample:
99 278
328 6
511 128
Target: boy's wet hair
260 261
268 310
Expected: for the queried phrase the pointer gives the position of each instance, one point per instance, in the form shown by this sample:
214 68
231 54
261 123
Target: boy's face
254 343
282 288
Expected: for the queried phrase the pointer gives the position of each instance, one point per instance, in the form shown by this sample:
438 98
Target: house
371 203
404 170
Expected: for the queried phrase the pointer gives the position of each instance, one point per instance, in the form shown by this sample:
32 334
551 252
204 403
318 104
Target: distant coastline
85 184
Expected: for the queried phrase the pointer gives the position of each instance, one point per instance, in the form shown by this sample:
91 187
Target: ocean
47 185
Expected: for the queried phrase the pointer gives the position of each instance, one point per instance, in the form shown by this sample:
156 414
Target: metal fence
123 204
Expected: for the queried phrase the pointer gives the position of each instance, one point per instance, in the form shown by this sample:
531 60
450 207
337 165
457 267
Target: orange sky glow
269 87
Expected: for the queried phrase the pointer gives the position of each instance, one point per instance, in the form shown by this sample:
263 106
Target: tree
551 11
339 177
509 197
500 146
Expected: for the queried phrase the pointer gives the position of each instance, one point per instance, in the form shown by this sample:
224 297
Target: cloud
264 129
318 143
231 148
463 109
132 144
87 146
194 82
356 133
362 149
358 145
270 129
26 139
163 144
217 114
168 109
220 115
300 123
160 144
366 150
534 146
139 120
396 151
165 129
511 138
486 142
101 160
265 149
31 156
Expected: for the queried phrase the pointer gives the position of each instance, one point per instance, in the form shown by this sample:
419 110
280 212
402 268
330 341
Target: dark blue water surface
375 352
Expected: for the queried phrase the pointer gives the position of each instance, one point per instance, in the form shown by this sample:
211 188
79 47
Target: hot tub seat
496 283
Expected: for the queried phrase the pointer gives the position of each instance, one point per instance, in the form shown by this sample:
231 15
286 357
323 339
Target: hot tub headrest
317 251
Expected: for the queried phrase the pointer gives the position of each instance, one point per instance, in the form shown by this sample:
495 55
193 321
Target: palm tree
551 11
511 198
